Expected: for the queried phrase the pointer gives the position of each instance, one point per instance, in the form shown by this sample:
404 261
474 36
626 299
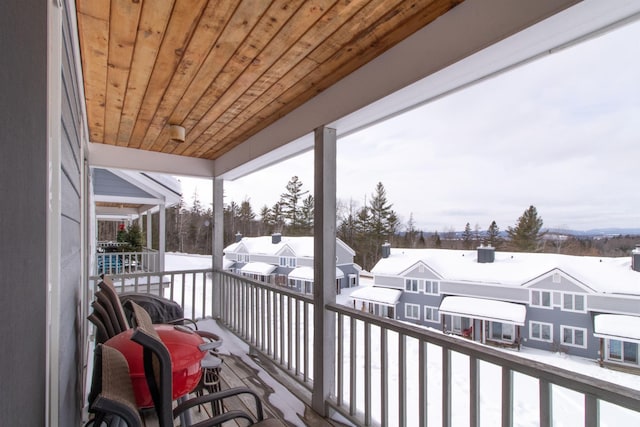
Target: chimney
635 258
238 236
386 250
486 254
276 238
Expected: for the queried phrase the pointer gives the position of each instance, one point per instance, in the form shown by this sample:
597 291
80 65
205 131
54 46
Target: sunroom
106 83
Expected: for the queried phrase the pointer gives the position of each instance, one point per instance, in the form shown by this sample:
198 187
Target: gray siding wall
561 318
72 164
108 184
565 285
622 304
23 191
343 255
503 293
389 281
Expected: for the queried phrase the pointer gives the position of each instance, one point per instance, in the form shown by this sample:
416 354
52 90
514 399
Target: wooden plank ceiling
224 69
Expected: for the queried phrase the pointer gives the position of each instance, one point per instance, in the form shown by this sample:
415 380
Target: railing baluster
402 375
507 397
306 342
367 374
474 392
422 383
446 387
352 368
281 328
289 332
340 358
384 382
546 404
591 411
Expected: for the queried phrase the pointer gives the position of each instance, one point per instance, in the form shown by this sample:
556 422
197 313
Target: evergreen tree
290 203
266 227
306 220
526 235
437 243
245 217
276 218
411 233
466 237
493 236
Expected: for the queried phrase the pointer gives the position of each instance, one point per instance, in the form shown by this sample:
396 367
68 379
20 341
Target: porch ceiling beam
123 200
122 212
109 156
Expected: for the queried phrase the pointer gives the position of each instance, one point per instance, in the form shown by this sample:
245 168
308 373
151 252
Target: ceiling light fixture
176 133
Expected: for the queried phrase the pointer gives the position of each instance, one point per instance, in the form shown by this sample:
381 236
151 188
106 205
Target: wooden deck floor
277 392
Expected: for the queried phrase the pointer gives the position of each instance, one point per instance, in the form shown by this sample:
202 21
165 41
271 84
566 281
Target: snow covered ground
567 405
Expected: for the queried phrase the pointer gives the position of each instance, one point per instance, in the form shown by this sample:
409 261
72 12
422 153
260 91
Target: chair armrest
220 395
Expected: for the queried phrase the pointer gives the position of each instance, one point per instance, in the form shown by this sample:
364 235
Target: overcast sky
562 134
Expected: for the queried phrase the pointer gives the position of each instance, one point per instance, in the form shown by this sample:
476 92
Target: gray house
287 261
585 306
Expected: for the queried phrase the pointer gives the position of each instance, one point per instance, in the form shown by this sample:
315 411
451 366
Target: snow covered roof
377 294
485 309
617 326
301 246
602 274
261 268
306 273
227 263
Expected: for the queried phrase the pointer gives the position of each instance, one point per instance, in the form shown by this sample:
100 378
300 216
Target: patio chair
116 402
157 368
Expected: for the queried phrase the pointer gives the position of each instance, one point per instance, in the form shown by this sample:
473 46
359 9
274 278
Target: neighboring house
128 196
586 306
287 261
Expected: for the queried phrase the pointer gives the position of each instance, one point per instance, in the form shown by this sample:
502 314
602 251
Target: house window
502 331
541 299
412 311
431 314
459 324
243 257
573 302
541 331
353 280
411 285
575 337
286 261
623 351
556 277
431 287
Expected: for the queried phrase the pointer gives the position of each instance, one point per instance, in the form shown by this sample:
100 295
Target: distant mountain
598 232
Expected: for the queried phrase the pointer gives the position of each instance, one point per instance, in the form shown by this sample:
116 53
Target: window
431 314
412 311
431 287
243 257
541 331
411 285
556 277
459 324
286 261
573 302
502 331
541 299
575 337
623 351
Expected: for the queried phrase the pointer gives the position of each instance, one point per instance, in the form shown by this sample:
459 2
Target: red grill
186 357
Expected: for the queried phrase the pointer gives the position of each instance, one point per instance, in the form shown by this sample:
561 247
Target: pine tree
466 237
493 236
290 205
245 217
526 235
306 220
437 243
266 227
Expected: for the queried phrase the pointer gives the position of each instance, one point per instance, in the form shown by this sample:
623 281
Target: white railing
390 373
127 262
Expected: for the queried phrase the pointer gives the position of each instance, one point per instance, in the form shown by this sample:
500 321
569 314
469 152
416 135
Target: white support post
162 218
149 231
324 268
217 242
